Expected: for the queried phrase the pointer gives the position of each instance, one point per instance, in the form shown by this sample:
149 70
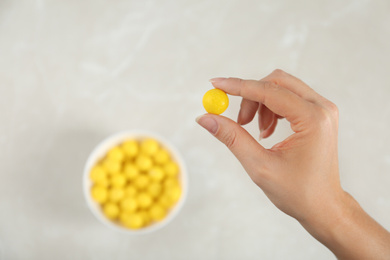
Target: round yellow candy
104 182
98 174
141 182
171 183
130 191
146 217
171 169
111 210
175 193
149 146
157 212
215 101
118 180
111 166
130 148
166 201
116 194
162 156
143 162
154 189
129 204
131 171
132 220
156 173
99 194
115 154
144 200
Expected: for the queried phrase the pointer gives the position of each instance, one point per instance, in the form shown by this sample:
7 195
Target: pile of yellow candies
136 183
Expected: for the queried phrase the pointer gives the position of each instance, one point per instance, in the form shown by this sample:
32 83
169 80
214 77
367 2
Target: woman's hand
300 174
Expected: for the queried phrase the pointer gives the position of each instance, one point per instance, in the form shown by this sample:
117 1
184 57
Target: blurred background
74 72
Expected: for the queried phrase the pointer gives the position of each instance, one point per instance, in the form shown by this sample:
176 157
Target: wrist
348 231
329 222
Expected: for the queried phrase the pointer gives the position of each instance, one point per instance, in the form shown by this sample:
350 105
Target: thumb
247 150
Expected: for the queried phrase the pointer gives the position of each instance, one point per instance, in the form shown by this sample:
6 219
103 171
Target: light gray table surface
74 72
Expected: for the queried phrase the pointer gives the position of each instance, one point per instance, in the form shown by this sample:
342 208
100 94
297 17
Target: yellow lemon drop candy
99 194
171 183
116 194
165 201
131 171
111 210
157 212
118 180
129 204
141 182
171 169
215 101
130 148
161 157
111 166
175 193
98 174
156 173
115 154
146 217
144 200
149 146
130 191
104 182
154 189
143 162
132 220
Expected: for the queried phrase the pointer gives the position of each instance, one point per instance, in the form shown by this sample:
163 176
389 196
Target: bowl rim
101 149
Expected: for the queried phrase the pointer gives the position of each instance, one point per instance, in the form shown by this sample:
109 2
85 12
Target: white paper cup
100 151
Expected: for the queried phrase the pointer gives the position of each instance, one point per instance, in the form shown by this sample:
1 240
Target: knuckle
279 72
333 109
325 118
271 86
241 83
268 88
229 139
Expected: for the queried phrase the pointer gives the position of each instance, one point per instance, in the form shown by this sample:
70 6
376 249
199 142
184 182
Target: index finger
278 99
293 84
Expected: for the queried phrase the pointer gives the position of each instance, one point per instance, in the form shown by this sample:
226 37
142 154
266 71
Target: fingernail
262 131
239 118
209 123
261 127
216 80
